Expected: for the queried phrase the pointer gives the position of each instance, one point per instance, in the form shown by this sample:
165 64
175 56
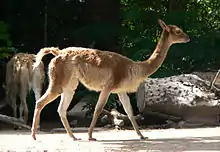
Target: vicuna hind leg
23 92
37 85
59 78
23 106
48 97
14 107
66 98
103 97
37 94
124 98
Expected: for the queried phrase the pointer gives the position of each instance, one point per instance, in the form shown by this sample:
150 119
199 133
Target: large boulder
184 96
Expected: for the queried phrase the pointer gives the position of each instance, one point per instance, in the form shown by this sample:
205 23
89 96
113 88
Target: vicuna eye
178 32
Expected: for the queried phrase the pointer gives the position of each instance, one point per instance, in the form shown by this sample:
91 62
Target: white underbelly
127 86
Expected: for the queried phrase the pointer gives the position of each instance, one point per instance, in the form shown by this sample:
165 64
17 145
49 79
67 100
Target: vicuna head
176 35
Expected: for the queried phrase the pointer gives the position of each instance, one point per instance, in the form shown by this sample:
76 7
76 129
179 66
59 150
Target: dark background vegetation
128 27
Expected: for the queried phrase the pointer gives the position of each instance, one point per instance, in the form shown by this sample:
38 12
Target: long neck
151 65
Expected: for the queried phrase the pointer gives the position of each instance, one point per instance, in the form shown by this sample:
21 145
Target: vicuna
102 71
20 79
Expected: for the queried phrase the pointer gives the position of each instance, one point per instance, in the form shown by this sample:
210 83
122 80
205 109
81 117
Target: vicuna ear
163 25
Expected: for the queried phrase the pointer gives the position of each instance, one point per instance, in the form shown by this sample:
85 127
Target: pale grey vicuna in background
20 79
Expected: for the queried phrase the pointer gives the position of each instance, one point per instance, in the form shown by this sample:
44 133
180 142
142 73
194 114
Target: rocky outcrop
184 96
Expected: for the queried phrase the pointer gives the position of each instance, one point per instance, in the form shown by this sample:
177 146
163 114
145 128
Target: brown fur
20 79
103 71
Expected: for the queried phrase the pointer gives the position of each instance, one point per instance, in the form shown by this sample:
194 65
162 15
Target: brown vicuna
20 79
102 71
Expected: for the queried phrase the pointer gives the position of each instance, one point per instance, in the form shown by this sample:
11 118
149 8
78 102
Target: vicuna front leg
103 97
66 98
124 98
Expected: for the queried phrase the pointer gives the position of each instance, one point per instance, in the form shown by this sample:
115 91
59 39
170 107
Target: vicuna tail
43 52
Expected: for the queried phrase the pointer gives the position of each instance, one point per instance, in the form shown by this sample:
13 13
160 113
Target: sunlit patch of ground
165 140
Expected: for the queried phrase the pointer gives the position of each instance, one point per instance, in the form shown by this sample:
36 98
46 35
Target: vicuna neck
150 66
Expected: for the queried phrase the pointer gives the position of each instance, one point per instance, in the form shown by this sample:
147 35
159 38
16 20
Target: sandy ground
167 140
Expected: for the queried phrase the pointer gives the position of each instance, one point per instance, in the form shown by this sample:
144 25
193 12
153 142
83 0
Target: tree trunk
14 121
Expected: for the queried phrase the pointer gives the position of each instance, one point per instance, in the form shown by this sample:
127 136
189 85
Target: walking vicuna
20 79
102 71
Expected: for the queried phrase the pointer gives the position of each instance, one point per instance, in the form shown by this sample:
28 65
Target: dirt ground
109 140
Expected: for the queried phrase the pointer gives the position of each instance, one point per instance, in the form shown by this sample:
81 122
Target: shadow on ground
164 145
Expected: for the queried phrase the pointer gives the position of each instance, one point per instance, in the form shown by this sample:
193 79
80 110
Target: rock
186 96
208 76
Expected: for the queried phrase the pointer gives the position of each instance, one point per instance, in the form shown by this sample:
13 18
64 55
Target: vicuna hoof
33 136
75 139
92 139
144 138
